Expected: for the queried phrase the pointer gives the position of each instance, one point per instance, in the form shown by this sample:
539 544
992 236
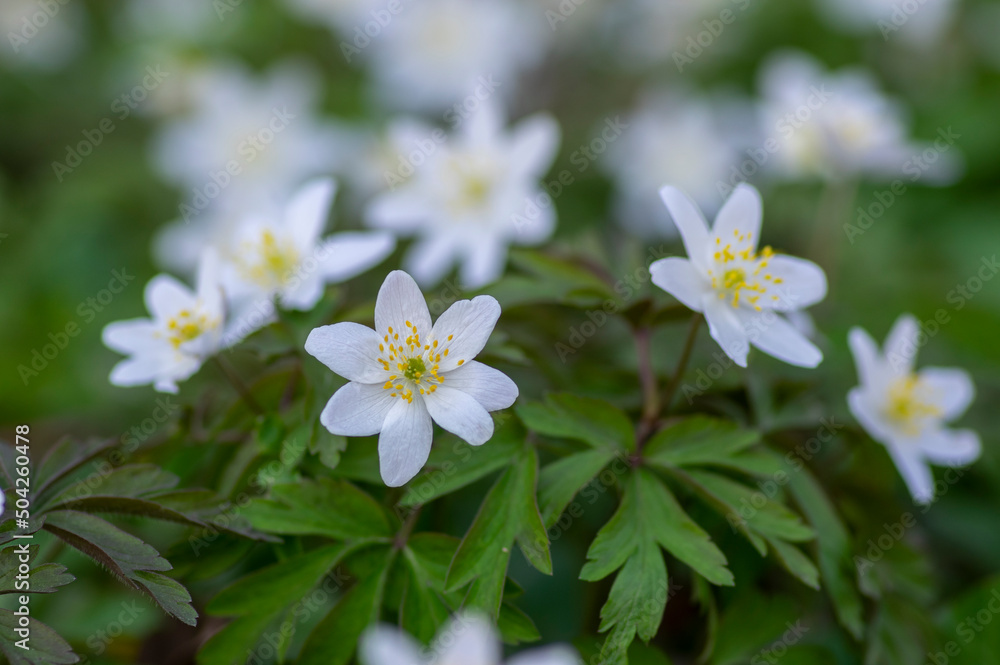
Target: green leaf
269 589
795 562
260 597
332 508
508 514
422 610
834 547
457 465
131 481
329 446
334 639
515 626
698 440
754 508
568 416
650 513
752 622
43 579
562 480
132 561
648 518
44 647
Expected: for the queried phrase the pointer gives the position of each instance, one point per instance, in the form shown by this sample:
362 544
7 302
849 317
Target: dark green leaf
584 419
44 646
559 482
698 440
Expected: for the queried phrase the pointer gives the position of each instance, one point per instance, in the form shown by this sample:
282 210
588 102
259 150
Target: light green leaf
568 416
560 481
697 441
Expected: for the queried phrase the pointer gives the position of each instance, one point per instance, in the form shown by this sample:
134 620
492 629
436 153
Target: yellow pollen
907 405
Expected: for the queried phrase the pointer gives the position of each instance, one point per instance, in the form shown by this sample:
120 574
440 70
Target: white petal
403 211
400 300
725 327
349 349
467 640
867 359
469 324
460 414
306 214
534 142
772 334
914 470
901 345
347 255
431 258
493 389
302 292
483 127
209 283
866 407
132 336
555 655
681 279
405 442
539 225
951 447
690 222
484 264
741 212
149 368
165 297
803 284
384 645
358 409
952 389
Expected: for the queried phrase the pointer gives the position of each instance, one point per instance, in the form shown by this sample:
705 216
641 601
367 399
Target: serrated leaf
648 519
569 416
509 514
422 611
130 481
45 646
43 579
560 481
698 440
325 507
515 626
765 516
650 513
131 560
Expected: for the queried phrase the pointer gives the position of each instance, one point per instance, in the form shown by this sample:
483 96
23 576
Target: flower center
276 260
411 364
740 272
187 326
908 404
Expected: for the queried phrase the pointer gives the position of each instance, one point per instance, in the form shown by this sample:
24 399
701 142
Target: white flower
920 24
476 193
836 125
285 257
406 373
248 143
438 53
743 292
466 640
41 36
906 411
186 328
676 139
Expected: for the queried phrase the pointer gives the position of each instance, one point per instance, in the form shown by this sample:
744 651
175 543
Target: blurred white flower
919 23
473 195
742 292
681 140
826 125
248 142
41 35
907 411
465 640
285 258
186 328
406 373
438 53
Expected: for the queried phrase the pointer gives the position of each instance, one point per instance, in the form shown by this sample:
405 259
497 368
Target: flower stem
238 384
399 542
682 364
647 379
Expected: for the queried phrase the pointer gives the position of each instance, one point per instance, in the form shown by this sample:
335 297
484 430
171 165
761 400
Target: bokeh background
127 78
